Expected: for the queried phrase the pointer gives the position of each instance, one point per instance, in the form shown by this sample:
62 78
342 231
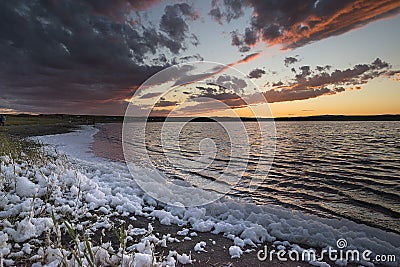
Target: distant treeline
91 119
342 118
308 118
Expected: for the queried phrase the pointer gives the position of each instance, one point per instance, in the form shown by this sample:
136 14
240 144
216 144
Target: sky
279 57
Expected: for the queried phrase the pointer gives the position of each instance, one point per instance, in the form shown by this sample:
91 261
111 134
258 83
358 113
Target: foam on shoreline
249 222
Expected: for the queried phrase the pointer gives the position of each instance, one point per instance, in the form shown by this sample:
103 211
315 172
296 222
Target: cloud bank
74 56
309 83
293 24
89 56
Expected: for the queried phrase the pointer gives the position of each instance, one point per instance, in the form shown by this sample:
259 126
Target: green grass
30 120
14 147
48 119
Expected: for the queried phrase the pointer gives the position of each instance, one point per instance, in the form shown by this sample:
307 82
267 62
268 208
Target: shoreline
217 255
216 244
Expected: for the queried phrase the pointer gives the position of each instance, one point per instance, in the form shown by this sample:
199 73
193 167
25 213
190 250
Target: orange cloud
352 16
247 58
293 24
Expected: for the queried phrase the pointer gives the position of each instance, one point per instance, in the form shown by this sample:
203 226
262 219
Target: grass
15 147
18 150
30 120
63 240
25 119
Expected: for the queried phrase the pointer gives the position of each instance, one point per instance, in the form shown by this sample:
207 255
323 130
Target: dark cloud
309 84
236 40
72 56
165 104
209 95
306 84
194 40
244 48
250 37
273 96
202 107
231 83
340 89
320 68
117 9
173 22
196 57
393 73
256 73
283 95
216 14
379 64
277 84
304 72
213 98
233 9
296 23
290 60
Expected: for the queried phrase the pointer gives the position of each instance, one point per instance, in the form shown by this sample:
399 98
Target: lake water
331 169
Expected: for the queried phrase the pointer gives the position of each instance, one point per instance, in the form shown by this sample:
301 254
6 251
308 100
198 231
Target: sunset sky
306 57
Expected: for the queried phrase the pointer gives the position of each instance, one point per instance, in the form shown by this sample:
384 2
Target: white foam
235 252
200 247
251 223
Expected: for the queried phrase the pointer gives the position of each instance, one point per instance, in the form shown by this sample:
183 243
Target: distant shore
26 124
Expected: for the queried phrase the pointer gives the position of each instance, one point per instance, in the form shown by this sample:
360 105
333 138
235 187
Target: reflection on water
332 169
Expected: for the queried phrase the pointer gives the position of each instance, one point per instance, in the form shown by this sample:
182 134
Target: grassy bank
26 119
14 146
35 125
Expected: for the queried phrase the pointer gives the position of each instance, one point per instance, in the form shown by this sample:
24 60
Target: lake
331 169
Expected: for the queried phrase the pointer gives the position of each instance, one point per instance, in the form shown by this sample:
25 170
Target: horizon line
218 117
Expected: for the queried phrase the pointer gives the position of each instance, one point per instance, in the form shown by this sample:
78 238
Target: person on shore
3 120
